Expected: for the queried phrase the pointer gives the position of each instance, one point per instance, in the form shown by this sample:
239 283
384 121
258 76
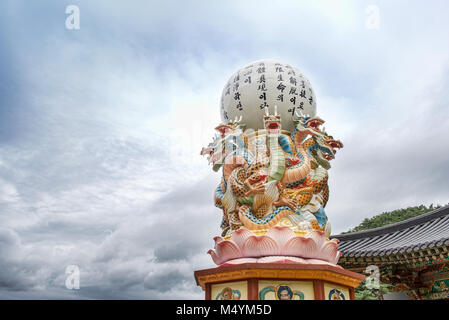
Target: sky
101 128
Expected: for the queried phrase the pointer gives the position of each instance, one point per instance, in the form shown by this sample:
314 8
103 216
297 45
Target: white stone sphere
267 83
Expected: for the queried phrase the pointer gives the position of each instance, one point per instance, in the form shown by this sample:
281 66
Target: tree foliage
391 217
363 293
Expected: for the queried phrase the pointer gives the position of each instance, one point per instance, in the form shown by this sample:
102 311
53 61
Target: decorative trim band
278 271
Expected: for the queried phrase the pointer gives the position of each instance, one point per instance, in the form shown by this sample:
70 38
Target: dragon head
308 125
215 154
223 143
272 123
325 149
231 127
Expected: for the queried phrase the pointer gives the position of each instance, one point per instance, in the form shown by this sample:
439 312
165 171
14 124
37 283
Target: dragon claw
292 204
255 190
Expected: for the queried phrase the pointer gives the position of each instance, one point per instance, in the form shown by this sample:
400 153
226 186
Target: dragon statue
273 156
272 177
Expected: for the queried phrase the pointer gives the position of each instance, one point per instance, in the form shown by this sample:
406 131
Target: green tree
390 217
363 293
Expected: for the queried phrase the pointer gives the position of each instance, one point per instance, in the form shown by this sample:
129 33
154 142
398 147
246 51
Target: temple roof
425 231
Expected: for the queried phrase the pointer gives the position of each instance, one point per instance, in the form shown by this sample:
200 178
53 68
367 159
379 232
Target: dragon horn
275 110
300 114
266 111
296 114
241 117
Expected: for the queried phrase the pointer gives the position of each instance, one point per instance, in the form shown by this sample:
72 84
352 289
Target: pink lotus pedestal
277 265
245 246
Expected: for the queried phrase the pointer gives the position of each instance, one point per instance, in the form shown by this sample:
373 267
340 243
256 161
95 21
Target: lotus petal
218 240
281 235
259 246
330 251
239 236
301 247
226 250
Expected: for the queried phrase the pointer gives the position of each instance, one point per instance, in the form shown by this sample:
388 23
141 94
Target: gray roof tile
421 232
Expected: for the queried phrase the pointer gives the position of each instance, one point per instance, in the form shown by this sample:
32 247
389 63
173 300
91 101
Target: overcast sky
101 128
